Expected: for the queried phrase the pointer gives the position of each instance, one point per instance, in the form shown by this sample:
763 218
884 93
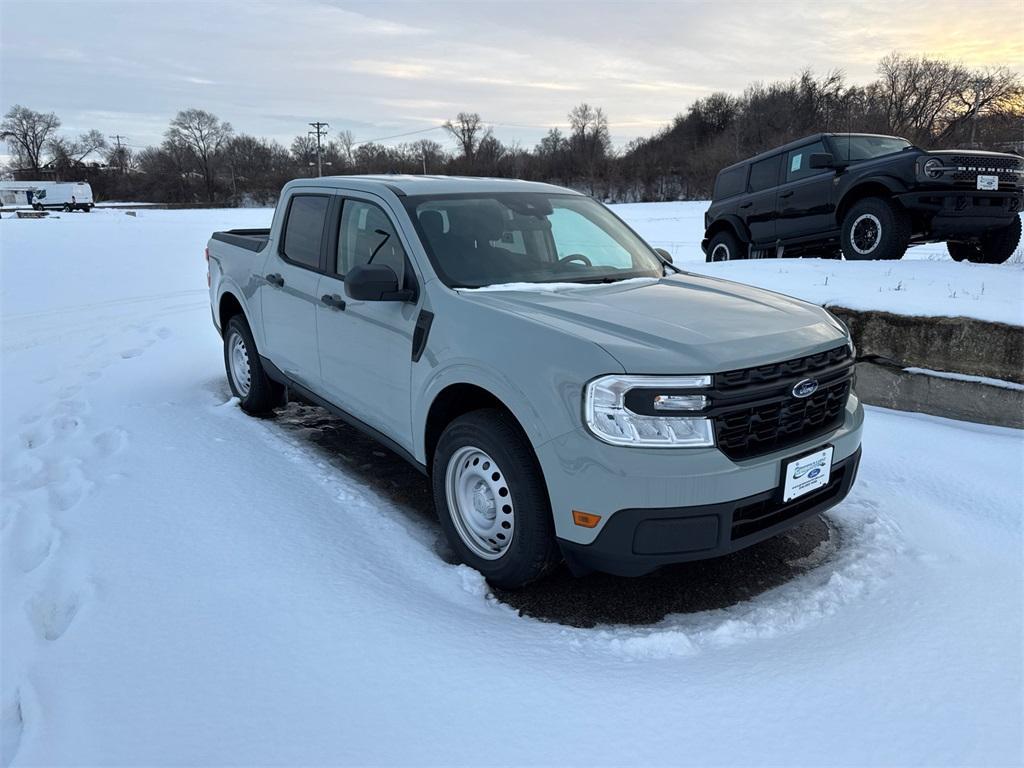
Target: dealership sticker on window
808 473
794 163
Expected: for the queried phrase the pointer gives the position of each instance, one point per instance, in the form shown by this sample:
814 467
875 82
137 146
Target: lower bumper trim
637 541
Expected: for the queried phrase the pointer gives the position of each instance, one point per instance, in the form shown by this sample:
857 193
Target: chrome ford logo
805 388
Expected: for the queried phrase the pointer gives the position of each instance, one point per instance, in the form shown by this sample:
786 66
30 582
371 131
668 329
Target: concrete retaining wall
888 343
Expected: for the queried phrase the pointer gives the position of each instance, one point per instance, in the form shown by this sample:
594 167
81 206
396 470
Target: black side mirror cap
374 282
664 254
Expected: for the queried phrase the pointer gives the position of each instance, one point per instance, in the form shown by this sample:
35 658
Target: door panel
365 349
758 207
806 197
288 290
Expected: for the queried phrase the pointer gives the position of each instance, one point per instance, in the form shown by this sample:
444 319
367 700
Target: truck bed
251 239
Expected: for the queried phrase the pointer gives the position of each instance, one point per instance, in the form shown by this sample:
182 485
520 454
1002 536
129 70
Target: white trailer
48 195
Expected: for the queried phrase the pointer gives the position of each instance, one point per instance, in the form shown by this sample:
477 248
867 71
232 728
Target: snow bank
182 584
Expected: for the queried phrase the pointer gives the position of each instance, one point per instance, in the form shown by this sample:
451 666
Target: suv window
764 174
798 161
304 229
731 182
366 233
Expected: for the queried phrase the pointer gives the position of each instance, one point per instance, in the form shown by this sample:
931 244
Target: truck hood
680 324
969 153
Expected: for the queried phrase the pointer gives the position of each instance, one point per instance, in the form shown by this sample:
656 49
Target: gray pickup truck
568 391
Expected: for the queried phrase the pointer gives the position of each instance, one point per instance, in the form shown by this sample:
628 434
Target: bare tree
468 130
28 132
68 154
346 148
203 135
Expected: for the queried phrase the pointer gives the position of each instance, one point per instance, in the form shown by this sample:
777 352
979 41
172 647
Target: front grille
755 411
969 167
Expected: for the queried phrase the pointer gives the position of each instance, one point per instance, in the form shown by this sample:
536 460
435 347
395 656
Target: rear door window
304 229
764 174
798 161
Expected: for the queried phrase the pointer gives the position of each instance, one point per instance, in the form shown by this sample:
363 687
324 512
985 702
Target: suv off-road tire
725 242
532 551
993 248
262 394
891 227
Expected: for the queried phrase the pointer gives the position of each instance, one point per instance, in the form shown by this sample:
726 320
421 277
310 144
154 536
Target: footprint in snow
130 353
164 332
12 726
53 610
32 539
110 441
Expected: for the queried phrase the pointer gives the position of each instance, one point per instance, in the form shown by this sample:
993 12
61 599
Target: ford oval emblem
805 388
814 473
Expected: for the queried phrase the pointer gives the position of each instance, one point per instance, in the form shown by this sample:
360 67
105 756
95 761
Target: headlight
649 411
934 168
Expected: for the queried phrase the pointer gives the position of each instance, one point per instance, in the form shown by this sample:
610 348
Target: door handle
746 205
275 279
786 194
333 300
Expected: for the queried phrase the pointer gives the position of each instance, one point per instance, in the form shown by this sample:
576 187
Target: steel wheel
866 233
238 359
480 502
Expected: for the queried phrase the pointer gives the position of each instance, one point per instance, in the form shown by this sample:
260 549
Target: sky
380 69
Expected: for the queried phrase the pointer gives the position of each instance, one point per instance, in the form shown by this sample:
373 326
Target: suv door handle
786 194
333 300
746 205
275 279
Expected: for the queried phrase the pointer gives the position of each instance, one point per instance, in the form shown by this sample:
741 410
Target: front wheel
993 248
491 499
256 392
875 229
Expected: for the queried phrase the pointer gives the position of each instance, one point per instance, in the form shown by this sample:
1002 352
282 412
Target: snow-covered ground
182 584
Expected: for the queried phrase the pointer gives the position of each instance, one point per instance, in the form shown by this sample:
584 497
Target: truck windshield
854 148
524 237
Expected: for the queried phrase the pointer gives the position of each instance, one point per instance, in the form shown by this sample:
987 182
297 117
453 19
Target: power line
398 135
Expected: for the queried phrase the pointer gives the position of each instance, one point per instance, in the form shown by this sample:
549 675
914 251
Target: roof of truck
405 184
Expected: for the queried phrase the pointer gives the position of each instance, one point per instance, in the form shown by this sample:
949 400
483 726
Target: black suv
869 195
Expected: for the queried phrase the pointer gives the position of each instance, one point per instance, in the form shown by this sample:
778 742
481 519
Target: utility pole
319 130
120 156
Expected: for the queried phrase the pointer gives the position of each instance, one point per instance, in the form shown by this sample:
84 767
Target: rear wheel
993 248
725 246
492 501
875 229
256 392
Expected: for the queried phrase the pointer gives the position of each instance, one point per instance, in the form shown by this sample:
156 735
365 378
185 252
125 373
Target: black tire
532 551
875 229
262 394
67 208
725 246
993 248
960 251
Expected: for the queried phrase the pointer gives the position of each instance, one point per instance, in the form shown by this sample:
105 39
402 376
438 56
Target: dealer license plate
806 474
988 182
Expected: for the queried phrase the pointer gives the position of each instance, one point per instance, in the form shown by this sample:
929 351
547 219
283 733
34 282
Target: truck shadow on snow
593 600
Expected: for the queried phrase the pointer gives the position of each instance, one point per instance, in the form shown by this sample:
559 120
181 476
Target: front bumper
629 486
962 209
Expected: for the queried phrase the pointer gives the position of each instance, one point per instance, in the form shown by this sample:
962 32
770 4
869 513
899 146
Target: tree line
202 159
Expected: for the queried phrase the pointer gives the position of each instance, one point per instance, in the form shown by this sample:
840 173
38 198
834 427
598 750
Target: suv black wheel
993 248
725 246
256 392
491 499
875 229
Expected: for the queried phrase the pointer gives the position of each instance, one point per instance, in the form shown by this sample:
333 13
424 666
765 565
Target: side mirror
664 254
374 282
825 160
